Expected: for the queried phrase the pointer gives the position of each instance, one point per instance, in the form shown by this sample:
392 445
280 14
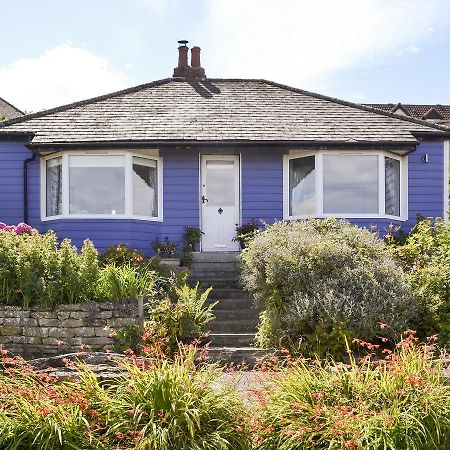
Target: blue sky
54 52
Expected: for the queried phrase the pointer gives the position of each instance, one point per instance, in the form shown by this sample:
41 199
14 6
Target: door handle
204 199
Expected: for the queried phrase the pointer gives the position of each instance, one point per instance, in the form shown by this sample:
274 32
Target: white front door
219 202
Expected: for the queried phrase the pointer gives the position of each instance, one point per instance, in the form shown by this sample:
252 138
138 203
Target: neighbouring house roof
180 110
8 111
425 112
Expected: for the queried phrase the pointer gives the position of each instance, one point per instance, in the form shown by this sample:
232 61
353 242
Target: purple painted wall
262 195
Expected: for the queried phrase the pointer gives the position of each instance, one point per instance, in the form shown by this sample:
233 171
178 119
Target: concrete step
200 266
233 304
234 326
214 257
247 356
220 283
236 314
228 293
231 339
212 274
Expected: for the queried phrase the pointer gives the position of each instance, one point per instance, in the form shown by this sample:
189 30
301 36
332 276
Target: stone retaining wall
67 328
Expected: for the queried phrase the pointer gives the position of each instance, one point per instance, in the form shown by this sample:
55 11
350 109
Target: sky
54 52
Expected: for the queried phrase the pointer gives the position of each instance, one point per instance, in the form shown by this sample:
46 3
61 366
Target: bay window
337 184
111 185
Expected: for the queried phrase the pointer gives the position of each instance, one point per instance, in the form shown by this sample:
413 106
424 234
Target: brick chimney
183 69
197 70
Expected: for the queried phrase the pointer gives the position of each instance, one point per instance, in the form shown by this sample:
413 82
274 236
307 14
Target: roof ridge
12 106
88 101
358 106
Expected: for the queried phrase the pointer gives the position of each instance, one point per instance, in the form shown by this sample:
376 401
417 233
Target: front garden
358 326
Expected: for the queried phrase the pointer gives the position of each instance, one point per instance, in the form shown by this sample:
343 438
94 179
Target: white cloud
301 42
62 75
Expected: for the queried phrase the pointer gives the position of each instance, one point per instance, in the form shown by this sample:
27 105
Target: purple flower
22 228
3 226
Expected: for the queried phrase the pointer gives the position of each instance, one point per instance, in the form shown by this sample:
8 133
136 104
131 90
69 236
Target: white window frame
150 154
294 154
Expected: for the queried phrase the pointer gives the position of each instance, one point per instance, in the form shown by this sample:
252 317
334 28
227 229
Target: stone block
34 340
12 321
49 322
54 342
98 341
85 332
62 315
5 339
79 314
61 333
18 339
10 330
43 315
35 331
103 314
72 323
121 322
29 322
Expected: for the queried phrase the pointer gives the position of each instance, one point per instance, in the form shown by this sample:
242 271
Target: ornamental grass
158 404
399 402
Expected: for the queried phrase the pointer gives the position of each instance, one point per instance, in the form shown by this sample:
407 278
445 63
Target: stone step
247 356
235 314
228 293
232 304
214 257
231 339
234 326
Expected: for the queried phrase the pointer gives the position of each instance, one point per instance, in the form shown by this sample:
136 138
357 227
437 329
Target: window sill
347 216
101 217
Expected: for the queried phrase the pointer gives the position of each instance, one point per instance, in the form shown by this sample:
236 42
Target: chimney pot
195 57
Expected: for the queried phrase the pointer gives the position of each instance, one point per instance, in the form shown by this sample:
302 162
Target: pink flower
22 228
3 226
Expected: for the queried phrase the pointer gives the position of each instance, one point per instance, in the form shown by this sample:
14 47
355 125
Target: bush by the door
319 281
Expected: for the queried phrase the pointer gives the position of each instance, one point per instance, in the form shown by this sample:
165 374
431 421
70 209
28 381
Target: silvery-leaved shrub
320 280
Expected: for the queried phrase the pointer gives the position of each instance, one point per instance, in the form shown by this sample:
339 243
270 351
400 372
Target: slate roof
178 110
416 111
8 111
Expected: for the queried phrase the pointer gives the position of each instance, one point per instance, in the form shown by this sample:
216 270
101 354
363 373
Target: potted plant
192 236
166 252
245 232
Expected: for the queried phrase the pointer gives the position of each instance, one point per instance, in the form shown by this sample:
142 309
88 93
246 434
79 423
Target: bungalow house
140 164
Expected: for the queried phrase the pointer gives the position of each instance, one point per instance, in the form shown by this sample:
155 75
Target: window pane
350 184
302 186
97 184
392 186
53 171
145 187
220 183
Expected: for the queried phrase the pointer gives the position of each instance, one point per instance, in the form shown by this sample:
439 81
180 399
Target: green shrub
35 270
320 281
186 315
399 403
157 405
122 282
425 257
